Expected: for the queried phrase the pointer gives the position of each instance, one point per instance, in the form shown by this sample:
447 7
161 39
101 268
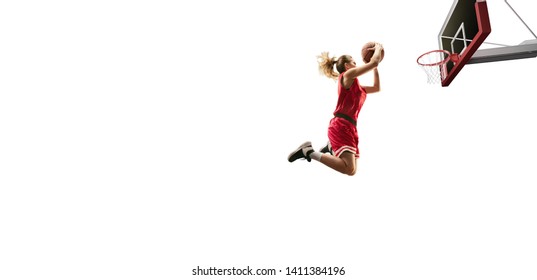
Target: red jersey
342 133
350 100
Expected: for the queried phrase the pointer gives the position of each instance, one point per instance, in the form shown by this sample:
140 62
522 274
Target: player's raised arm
357 71
376 83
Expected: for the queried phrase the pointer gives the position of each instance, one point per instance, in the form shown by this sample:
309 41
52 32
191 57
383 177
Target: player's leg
345 164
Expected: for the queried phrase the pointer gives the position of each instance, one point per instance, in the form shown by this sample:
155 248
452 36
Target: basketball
367 54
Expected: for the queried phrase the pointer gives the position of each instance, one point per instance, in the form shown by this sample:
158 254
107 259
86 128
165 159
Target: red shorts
343 136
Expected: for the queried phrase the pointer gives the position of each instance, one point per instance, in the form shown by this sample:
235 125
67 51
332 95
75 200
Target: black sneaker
302 152
327 148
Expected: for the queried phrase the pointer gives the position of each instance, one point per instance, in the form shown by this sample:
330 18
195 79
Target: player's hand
379 46
378 52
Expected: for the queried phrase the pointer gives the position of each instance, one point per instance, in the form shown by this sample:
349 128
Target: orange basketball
367 54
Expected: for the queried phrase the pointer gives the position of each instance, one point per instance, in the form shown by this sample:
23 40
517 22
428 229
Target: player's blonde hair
326 64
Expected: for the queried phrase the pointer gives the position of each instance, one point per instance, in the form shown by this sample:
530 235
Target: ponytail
326 65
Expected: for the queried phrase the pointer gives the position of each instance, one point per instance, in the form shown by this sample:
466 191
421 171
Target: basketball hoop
433 63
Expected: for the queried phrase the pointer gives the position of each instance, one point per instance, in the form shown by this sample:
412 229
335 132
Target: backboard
466 27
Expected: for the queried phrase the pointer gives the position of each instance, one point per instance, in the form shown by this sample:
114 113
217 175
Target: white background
141 139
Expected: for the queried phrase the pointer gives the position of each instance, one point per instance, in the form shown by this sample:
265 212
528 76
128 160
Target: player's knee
350 170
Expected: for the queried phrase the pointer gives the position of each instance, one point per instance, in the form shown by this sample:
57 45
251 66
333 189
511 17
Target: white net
433 63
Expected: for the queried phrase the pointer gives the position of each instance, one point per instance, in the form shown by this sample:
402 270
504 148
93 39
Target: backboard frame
477 31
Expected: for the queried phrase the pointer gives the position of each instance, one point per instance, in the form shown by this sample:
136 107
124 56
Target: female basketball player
342 132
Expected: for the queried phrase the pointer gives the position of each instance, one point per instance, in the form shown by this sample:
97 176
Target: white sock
316 156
